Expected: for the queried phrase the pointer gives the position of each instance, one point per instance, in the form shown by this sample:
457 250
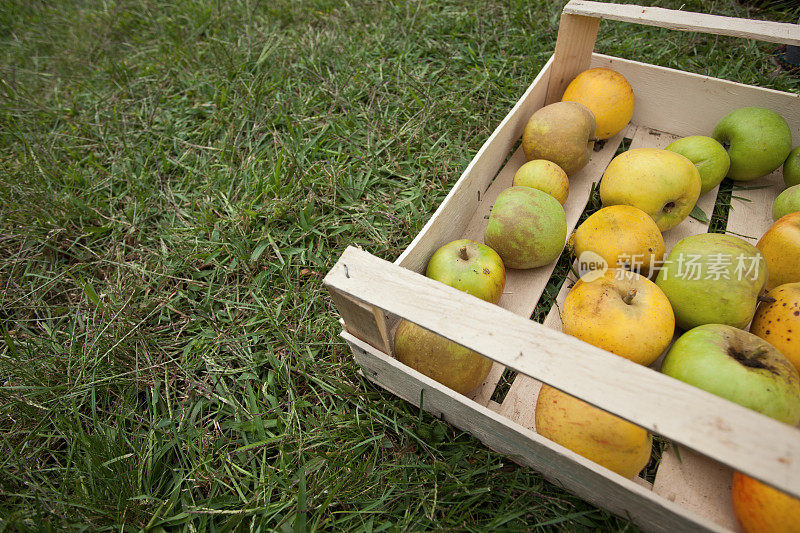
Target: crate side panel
691 104
585 479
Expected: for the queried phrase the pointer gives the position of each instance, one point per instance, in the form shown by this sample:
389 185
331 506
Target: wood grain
573 52
775 32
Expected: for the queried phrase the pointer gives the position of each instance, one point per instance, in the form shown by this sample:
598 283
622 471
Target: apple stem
766 299
463 253
628 298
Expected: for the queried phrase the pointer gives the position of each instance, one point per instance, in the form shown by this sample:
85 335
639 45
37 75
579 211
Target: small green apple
469 266
758 141
527 227
713 278
791 168
709 156
738 366
787 202
563 132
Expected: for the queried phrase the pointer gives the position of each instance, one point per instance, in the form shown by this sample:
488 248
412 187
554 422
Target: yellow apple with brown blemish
760 508
621 312
781 248
593 433
778 322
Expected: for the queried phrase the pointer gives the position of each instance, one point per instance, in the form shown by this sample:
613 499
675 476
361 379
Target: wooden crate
691 489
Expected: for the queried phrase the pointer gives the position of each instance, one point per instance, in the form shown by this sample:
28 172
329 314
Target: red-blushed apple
761 509
469 266
738 366
757 139
781 248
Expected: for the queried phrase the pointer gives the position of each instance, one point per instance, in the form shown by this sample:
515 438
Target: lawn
175 180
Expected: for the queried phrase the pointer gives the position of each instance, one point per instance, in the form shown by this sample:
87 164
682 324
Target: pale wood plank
691 104
750 215
366 322
454 213
774 32
574 45
726 431
698 484
627 498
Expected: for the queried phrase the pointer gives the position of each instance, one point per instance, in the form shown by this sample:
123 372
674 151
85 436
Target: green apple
713 278
757 139
787 202
791 168
546 176
709 156
738 366
471 267
563 132
527 227
440 359
663 184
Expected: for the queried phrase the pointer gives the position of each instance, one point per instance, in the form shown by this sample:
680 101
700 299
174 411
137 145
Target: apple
791 168
591 432
663 184
545 176
471 267
781 248
709 156
563 132
757 139
622 312
778 321
607 94
452 365
787 202
624 236
527 227
760 508
713 278
738 366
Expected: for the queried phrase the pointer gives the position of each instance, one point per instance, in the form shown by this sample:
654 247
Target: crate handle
580 19
734 435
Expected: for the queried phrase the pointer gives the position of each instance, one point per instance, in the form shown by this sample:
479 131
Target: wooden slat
626 498
726 431
574 45
691 104
750 215
366 322
775 32
454 213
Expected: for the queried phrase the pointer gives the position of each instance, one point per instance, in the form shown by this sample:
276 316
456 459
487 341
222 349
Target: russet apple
593 433
757 139
781 248
469 266
709 156
545 176
738 366
663 184
563 132
760 508
607 94
623 235
622 312
713 278
787 202
527 227
452 365
778 321
791 168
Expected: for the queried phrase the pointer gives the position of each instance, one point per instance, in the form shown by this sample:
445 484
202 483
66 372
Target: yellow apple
593 433
440 359
545 176
761 509
622 312
607 94
563 132
663 184
778 322
624 236
781 248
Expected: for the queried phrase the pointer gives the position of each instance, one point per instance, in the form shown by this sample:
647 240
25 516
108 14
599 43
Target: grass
175 180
